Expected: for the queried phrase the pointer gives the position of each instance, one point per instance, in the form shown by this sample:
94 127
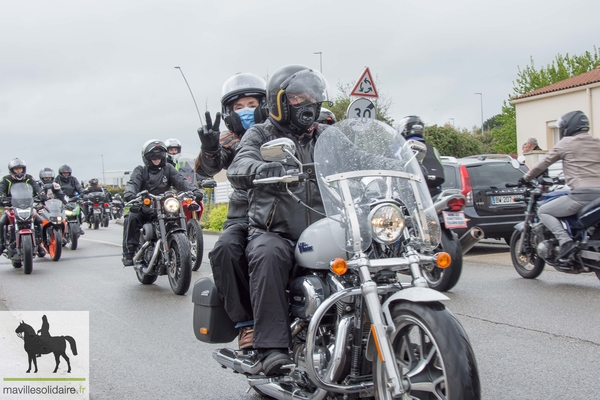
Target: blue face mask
246 115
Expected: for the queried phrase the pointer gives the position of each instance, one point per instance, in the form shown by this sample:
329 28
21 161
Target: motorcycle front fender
520 226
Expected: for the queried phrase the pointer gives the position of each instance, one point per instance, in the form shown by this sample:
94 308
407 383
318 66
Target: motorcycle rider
50 188
412 128
17 169
326 117
578 151
156 176
93 187
173 158
69 185
118 202
294 96
243 103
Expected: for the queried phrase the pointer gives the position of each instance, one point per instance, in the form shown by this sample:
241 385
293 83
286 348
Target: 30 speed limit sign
361 108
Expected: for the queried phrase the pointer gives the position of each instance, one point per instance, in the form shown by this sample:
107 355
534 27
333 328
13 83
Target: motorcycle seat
590 214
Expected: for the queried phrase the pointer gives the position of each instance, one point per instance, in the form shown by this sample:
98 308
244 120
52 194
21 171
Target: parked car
491 205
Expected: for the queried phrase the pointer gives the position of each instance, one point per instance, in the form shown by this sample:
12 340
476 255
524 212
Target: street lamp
320 53
103 177
481 96
186 82
452 121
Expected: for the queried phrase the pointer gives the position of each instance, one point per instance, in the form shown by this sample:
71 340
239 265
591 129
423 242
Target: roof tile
586 78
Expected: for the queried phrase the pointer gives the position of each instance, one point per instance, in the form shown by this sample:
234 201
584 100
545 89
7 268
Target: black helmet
411 126
173 144
239 86
572 123
93 182
118 196
154 148
47 175
65 168
326 117
294 96
17 163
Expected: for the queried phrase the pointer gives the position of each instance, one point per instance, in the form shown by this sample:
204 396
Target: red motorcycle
193 212
19 232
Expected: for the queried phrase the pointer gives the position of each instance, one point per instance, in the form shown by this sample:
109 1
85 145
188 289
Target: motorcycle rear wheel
433 354
27 254
180 270
96 221
444 279
55 244
522 263
106 221
196 238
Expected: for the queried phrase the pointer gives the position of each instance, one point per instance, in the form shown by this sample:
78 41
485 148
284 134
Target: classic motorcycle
165 248
73 231
19 232
116 208
193 212
363 321
532 245
54 226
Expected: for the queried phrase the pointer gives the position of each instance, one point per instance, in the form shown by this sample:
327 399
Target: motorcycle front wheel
433 355
73 237
528 266
196 238
55 244
444 279
180 269
27 254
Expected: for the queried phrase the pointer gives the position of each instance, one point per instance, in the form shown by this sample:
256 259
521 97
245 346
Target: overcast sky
84 79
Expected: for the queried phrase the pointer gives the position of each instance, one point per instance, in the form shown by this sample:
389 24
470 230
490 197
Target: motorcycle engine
545 249
306 295
147 232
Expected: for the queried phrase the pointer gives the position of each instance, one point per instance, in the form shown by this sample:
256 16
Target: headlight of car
387 223
23 213
171 205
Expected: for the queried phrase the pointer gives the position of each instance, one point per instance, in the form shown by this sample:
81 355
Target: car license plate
454 219
506 199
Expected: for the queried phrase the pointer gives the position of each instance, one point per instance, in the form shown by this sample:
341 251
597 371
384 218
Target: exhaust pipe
471 238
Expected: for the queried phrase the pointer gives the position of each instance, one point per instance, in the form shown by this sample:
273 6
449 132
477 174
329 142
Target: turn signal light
146 202
339 266
204 331
443 259
188 201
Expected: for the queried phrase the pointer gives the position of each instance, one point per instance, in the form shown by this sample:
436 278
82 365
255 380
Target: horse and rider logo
40 343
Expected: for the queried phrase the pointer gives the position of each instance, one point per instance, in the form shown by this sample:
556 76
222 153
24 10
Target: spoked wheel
180 269
196 238
27 254
433 354
443 279
55 244
529 266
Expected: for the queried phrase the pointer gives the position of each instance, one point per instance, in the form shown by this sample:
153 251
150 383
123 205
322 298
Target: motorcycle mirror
278 150
209 184
521 159
418 148
515 163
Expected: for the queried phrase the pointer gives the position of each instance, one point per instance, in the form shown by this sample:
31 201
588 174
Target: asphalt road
534 339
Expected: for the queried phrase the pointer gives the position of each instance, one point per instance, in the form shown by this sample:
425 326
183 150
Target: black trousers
230 271
270 262
131 228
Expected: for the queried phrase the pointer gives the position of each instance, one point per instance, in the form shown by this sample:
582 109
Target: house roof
586 78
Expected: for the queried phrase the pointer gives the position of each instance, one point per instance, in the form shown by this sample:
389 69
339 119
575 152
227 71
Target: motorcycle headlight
23 213
171 205
56 219
387 223
69 213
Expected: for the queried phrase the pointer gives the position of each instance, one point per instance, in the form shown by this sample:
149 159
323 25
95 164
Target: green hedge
216 217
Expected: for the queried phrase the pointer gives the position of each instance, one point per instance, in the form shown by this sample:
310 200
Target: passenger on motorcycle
18 173
174 158
243 104
156 176
50 188
413 128
69 184
579 152
294 96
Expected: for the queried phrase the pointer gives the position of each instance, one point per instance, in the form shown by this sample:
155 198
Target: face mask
246 115
302 117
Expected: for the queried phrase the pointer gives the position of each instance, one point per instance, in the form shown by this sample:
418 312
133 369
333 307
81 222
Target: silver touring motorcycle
363 321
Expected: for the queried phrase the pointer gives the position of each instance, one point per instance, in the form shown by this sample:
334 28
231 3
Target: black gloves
199 194
43 197
270 170
5 201
522 182
209 134
128 197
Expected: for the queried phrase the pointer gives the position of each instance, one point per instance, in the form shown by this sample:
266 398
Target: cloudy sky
82 82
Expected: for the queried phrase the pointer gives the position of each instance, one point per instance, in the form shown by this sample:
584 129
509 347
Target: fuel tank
316 246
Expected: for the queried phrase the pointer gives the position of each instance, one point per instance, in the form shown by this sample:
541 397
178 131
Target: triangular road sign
365 86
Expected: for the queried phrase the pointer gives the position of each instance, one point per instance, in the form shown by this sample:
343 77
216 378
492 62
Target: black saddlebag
590 214
211 322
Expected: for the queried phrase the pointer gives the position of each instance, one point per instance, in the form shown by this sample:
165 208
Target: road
534 339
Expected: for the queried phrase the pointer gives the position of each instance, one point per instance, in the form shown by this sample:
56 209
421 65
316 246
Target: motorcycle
165 248
116 209
358 327
54 226
193 212
19 232
94 202
532 245
107 214
73 231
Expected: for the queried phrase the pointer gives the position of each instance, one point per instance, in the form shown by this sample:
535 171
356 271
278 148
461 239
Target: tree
530 78
451 142
340 104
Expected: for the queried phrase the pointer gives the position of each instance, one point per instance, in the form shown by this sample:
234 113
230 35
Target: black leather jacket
69 185
271 208
8 181
156 181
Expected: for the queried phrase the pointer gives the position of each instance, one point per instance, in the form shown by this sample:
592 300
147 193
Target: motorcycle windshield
21 195
361 163
54 206
185 166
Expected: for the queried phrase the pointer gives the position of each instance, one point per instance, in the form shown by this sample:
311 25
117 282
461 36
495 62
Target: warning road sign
365 86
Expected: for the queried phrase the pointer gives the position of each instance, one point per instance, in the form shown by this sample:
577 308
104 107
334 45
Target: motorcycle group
337 245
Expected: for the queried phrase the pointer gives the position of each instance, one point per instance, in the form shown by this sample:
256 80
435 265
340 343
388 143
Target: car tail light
456 204
465 181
